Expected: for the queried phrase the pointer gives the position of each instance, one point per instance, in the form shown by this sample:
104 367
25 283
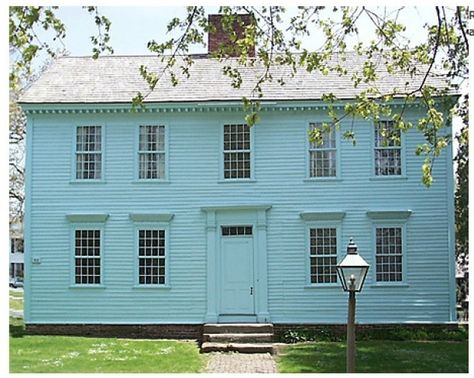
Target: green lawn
377 356
66 354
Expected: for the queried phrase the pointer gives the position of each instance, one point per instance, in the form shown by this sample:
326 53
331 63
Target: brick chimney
220 40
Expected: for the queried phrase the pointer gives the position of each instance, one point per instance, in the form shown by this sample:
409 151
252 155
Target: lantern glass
352 266
358 273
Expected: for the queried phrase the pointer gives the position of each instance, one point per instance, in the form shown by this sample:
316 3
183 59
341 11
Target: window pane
322 156
323 163
388 250
236 151
88 152
387 149
151 165
151 148
237 165
328 136
151 138
87 256
386 135
236 230
88 139
323 255
151 257
387 162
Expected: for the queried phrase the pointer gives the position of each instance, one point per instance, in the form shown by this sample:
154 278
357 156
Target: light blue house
182 215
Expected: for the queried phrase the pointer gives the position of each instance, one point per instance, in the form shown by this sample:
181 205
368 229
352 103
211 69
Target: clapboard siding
280 162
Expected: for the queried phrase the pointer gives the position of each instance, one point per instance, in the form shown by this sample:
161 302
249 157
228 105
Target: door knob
251 290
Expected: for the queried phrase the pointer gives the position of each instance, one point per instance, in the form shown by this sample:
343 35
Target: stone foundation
195 331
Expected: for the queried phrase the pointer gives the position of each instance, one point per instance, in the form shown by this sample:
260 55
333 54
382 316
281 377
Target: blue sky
132 27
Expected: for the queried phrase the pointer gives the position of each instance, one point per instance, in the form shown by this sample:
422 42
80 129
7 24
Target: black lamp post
352 271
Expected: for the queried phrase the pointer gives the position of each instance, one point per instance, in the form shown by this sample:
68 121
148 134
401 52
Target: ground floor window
151 257
388 254
16 270
87 257
323 255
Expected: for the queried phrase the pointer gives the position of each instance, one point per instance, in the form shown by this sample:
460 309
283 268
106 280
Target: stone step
236 347
238 328
238 337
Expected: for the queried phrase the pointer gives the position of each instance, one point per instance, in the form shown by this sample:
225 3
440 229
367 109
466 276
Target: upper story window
388 254
16 245
387 149
323 255
151 152
87 254
322 153
89 152
237 152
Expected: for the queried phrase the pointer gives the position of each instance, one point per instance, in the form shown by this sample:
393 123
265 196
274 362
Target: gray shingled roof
116 79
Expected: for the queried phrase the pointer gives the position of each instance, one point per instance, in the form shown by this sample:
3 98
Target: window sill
151 181
323 286
151 287
389 284
322 179
87 286
85 182
236 181
382 178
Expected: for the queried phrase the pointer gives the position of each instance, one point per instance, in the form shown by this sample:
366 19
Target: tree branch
461 26
435 52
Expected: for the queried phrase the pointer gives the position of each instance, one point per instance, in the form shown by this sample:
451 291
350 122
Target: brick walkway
232 362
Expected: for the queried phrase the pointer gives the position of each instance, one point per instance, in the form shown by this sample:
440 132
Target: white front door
237 276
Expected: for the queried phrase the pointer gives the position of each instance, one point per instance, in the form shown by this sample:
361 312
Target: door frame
217 216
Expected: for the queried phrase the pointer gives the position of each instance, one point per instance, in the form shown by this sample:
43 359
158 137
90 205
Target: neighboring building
16 256
181 214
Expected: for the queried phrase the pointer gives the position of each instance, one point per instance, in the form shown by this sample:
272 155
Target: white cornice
281 106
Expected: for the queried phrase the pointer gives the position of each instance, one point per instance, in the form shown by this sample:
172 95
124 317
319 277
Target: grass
16 300
67 354
376 356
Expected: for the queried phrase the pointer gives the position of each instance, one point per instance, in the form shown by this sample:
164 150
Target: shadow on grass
325 357
378 356
17 327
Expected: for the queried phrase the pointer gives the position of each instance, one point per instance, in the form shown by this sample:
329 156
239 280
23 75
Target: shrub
397 333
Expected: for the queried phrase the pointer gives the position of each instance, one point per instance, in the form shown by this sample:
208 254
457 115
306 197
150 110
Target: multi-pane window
151 152
387 149
87 256
88 152
16 245
388 254
236 151
236 230
322 153
323 255
151 257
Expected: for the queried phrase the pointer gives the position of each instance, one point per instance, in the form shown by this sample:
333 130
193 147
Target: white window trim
221 178
137 179
138 225
308 177
74 179
86 226
403 167
321 224
390 224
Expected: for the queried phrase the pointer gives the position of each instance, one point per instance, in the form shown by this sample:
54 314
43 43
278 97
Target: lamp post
352 271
